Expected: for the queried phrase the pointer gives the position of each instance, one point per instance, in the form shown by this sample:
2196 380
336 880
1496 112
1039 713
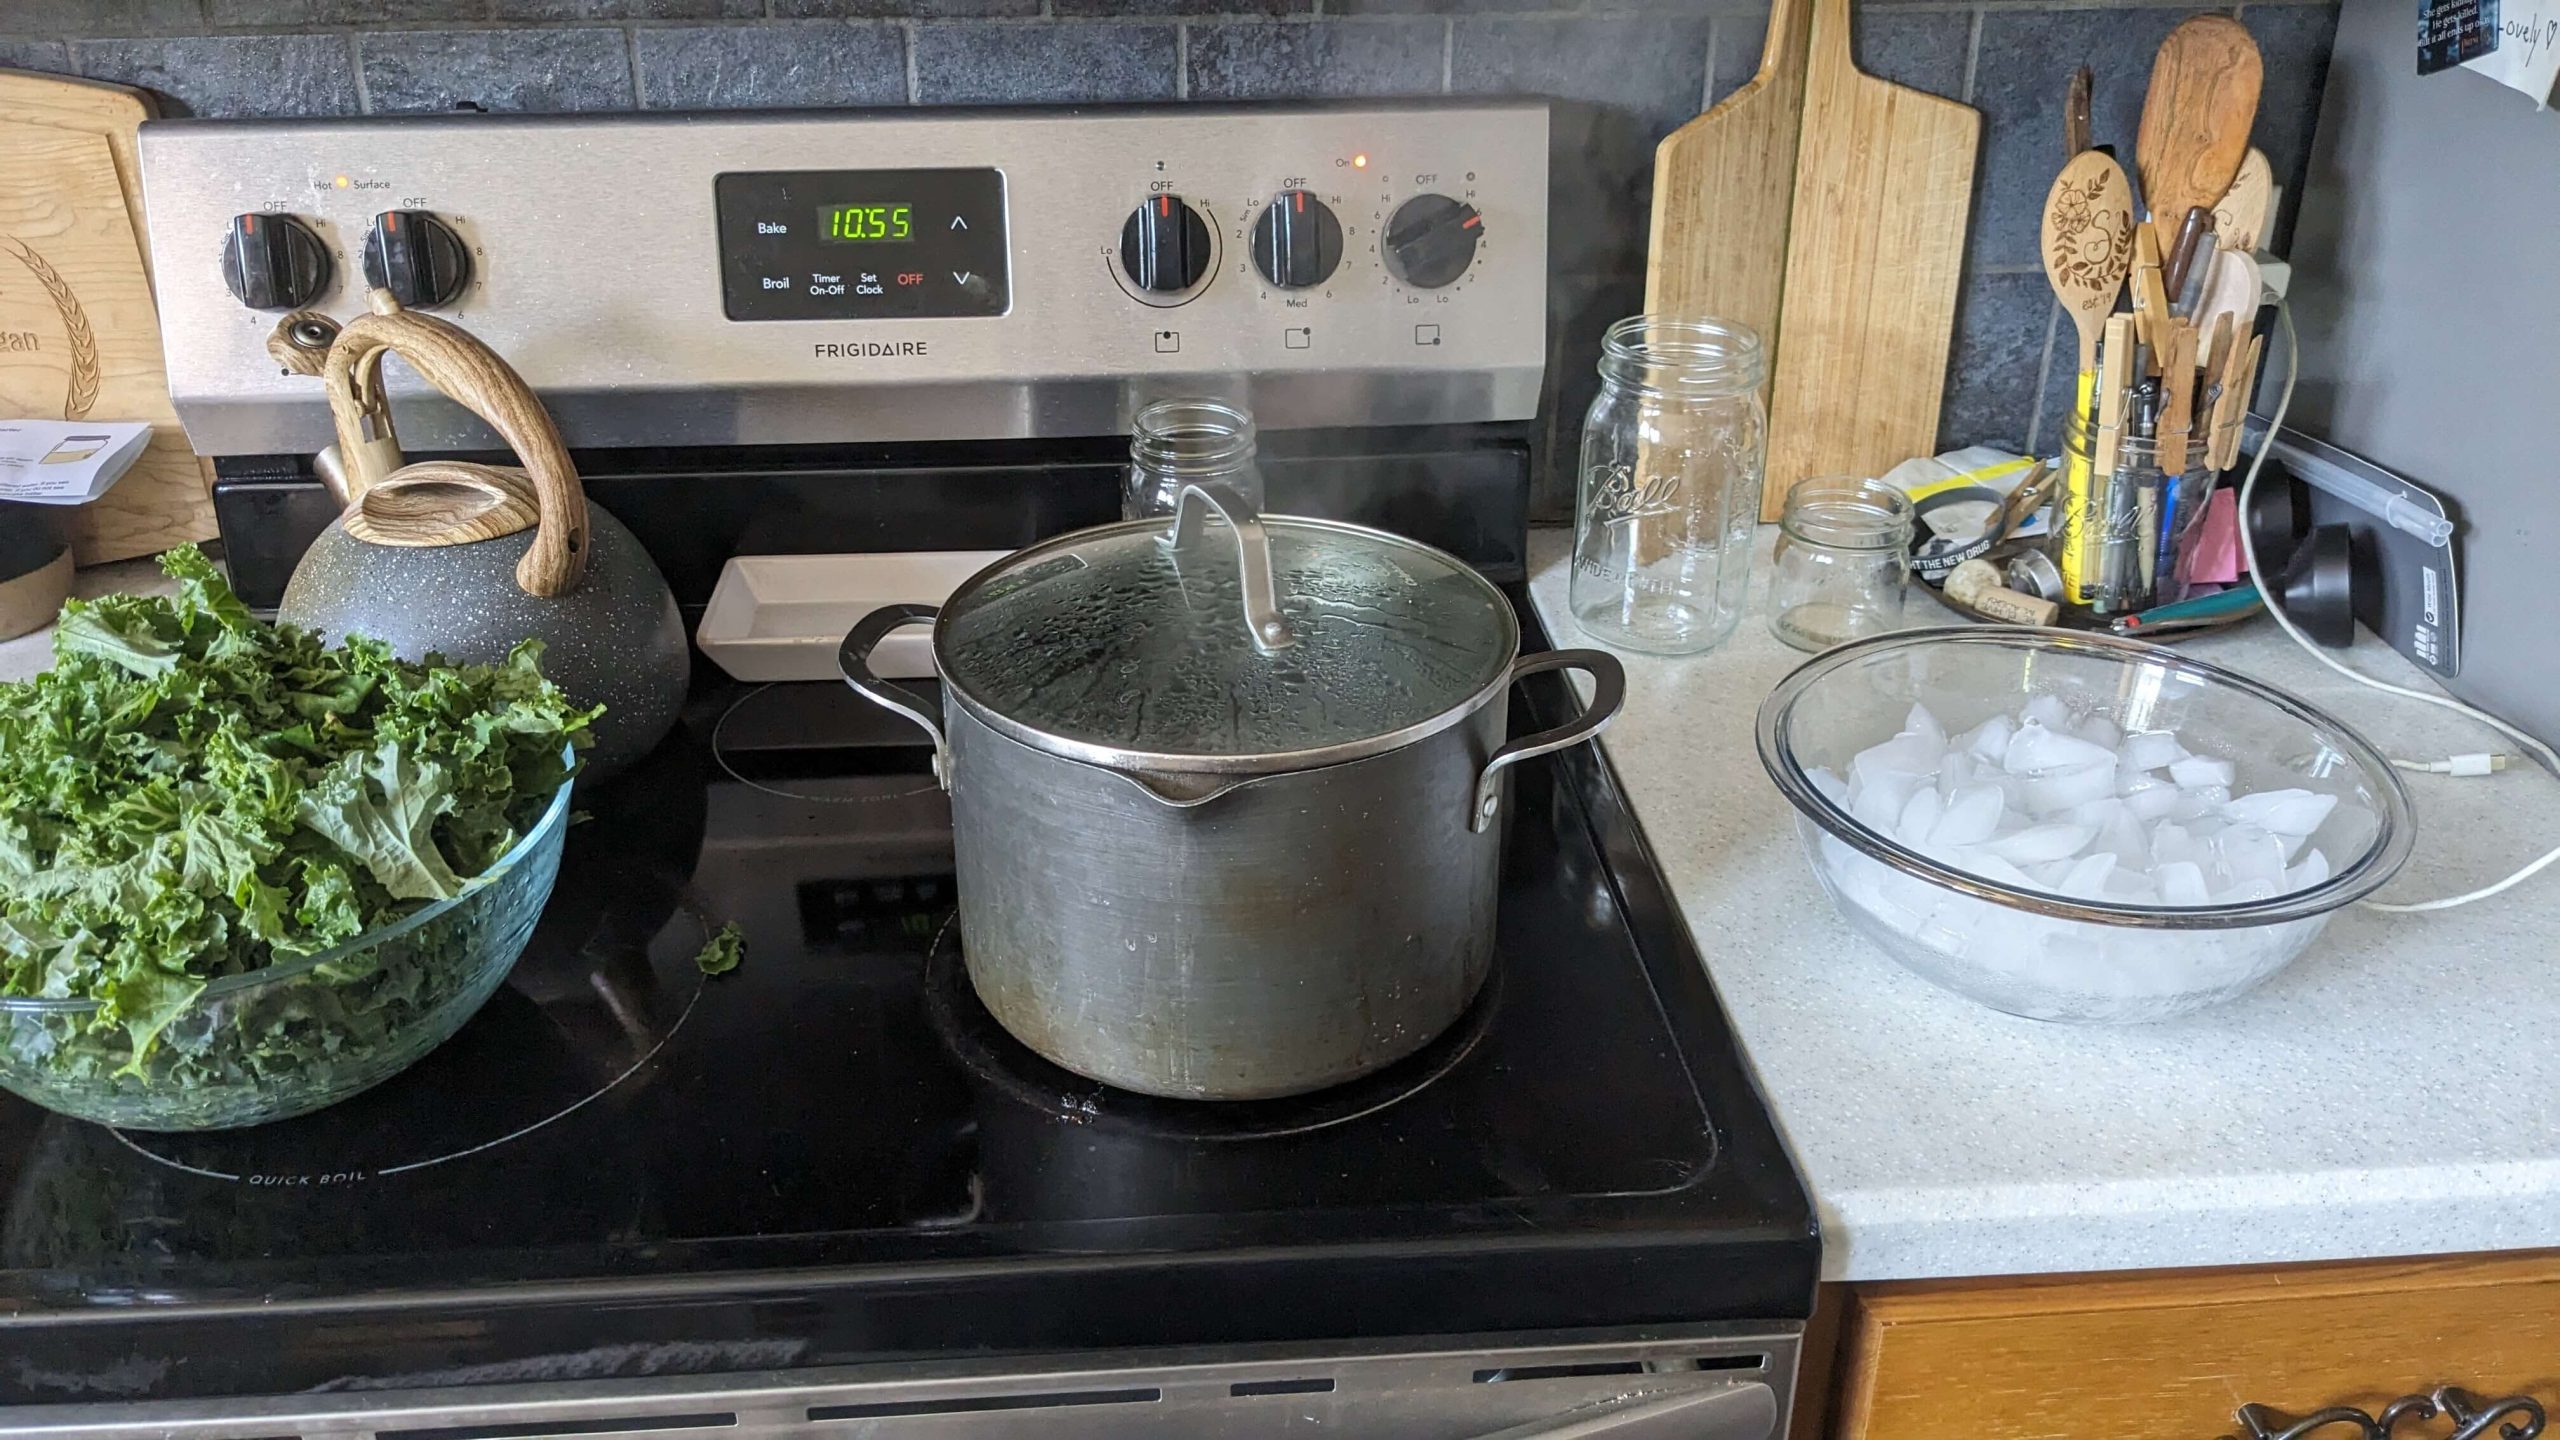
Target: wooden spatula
1875 250
2196 119
1723 185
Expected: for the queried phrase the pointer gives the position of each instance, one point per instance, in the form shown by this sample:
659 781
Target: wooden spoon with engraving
2087 244
2196 119
2240 221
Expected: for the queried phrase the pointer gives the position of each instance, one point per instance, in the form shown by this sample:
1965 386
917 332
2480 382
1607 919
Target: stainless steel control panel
1373 265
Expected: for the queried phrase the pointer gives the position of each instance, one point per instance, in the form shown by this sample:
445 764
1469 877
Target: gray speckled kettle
467 560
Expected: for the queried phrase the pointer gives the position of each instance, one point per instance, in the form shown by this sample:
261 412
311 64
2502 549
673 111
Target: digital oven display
883 224
863 244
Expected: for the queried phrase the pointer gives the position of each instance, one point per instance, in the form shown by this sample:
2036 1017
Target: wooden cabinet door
2171 1355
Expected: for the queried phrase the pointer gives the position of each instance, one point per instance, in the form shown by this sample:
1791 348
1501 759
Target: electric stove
825 1192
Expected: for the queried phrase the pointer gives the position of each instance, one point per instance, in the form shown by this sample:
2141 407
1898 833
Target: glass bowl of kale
243 874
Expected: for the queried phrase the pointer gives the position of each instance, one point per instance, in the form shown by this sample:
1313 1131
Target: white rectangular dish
781 617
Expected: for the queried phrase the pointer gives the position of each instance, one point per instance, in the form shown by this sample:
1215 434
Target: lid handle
1262 618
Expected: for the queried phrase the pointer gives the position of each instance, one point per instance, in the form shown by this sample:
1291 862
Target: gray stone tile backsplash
515 69
1249 61
960 64
791 62
1623 74
232 74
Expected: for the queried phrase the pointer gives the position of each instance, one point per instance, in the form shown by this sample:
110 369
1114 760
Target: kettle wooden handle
476 378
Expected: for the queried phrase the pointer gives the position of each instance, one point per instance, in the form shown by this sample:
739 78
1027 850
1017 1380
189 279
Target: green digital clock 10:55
884 224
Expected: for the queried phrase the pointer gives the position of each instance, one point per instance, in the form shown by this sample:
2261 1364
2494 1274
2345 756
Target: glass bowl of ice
2069 826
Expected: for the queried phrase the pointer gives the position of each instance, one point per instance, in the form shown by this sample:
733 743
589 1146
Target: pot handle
853 657
1608 693
1262 618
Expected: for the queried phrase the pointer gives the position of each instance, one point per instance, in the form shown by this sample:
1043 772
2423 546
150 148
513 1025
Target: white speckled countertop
2395 1092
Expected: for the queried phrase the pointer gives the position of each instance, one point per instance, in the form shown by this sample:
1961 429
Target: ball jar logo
1618 496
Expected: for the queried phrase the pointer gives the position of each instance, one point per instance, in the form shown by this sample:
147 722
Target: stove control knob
1431 240
1165 245
274 262
1297 242
416 257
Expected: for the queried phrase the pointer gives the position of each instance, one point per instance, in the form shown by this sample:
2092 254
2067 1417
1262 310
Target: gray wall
1630 71
2429 301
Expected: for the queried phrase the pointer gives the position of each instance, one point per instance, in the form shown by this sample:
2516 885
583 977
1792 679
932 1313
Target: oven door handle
1747 1411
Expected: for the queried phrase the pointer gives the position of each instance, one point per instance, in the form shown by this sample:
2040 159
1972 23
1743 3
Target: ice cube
1955 774
2286 812
1909 755
1876 801
2199 802
2043 842
1982 864
2249 852
2182 883
2050 792
2048 874
1971 817
1921 723
1919 816
2097 729
2149 750
2245 892
1988 741
2096 814
2197 771
2149 797
2170 843
1829 785
2123 838
2046 710
2131 887
2314 870
2036 749
2087 877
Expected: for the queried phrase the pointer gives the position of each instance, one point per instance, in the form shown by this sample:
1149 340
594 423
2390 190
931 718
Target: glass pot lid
1225 641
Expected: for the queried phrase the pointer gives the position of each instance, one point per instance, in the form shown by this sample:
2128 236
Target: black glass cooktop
834 1153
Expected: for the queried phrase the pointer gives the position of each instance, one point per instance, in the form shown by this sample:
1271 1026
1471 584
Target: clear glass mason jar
1173 443
1672 453
1843 562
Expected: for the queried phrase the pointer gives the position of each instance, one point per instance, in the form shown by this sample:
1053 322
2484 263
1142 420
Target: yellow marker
2075 494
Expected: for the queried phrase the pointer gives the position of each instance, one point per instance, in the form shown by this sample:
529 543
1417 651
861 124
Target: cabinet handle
2516 1417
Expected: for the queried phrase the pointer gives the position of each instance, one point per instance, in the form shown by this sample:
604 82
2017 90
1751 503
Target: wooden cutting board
79 337
1875 252
1723 189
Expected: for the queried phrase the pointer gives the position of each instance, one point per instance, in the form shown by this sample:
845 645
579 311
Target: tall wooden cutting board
79 337
1723 189
1875 252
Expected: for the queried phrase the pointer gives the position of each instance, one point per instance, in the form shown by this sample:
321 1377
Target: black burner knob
1431 240
1297 242
1165 245
416 257
274 262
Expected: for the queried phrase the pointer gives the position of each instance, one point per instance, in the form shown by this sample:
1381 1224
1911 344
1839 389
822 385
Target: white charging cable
2458 765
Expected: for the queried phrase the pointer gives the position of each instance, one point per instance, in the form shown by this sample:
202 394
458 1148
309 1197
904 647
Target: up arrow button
957 223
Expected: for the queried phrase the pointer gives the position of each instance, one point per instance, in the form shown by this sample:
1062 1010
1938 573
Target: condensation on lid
1114 641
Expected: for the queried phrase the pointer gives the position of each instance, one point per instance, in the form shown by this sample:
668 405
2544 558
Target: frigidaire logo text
870 349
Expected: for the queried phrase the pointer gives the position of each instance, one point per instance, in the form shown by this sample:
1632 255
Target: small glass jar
1173 443
1843 562
1672 452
